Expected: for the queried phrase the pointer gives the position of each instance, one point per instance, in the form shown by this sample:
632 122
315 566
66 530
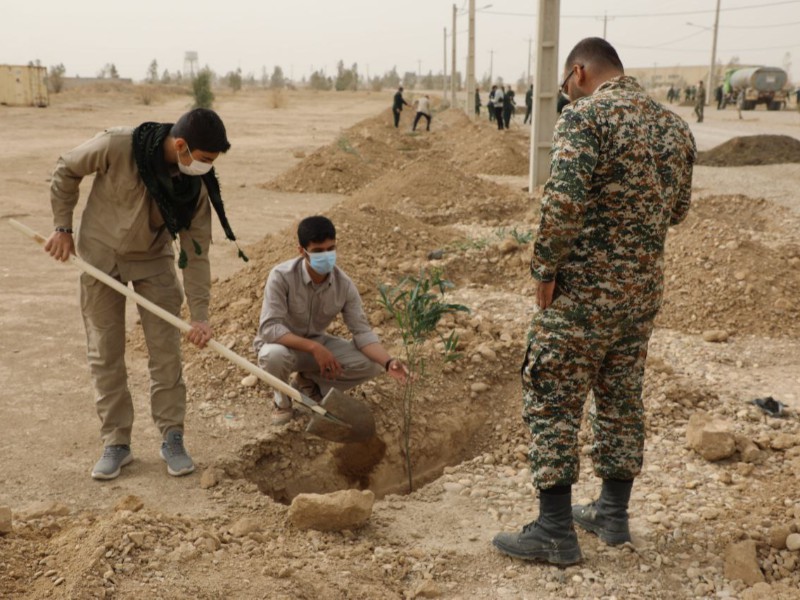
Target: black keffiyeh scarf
176 197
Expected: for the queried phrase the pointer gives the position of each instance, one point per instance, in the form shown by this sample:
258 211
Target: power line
647 15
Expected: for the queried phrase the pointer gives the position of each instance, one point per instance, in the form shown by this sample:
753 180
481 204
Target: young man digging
153 185
302 297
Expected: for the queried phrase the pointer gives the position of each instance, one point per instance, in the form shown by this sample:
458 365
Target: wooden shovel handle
239 361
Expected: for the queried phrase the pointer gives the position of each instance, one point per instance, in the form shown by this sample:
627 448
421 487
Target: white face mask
195 168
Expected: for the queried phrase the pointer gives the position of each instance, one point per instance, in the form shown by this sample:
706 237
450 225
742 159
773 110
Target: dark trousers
507 112
417 118
490 110
396 117
528 111
498 116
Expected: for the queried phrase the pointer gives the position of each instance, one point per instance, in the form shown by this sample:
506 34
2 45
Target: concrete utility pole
710 88
545 96
528 78
444 69
470 87
453 63
491 67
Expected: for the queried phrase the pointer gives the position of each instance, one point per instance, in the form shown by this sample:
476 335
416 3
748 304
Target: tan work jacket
121 225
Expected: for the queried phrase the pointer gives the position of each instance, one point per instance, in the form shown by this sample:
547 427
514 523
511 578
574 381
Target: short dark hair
203 130
597 51
315 229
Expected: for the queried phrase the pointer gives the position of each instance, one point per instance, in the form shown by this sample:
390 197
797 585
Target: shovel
338 418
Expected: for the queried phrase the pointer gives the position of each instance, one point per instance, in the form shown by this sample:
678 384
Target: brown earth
752 150
224 532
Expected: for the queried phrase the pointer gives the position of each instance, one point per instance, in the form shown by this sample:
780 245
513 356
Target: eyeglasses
566 79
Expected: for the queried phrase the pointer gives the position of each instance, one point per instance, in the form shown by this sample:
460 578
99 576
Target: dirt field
734 269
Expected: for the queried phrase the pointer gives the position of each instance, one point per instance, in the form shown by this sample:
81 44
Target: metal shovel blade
359 424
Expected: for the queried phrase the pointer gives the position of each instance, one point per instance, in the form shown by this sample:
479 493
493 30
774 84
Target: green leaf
198 249
183 260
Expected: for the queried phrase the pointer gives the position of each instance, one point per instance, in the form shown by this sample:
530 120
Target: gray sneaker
112 461
174 454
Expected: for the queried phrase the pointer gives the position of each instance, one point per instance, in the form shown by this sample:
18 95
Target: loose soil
752 150
404 202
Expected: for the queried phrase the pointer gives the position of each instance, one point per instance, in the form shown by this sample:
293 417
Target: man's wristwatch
63 230
388 363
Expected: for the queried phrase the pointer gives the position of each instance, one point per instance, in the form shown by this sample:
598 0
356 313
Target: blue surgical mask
322 262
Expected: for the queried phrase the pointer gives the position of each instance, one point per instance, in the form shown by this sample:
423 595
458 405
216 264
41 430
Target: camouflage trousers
572 351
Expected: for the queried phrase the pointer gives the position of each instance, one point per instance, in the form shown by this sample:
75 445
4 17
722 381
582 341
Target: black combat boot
551 537
608 515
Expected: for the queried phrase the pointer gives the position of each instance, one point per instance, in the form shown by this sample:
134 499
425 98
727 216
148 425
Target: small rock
741 562
59 581
137 537
507 246
5 519
759 591
715 336
131 503
777 536
711 438
244 526
46 509
345 509
479 387
428 588
209 478
451 487
793 542
250 381
435 254
784 441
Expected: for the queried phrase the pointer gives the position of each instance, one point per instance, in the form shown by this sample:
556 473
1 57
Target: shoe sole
106 476
611 538
554 558
185 471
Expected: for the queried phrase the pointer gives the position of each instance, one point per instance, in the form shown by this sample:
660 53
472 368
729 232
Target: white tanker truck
748 88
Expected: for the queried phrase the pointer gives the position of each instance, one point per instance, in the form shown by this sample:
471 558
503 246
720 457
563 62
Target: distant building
23 85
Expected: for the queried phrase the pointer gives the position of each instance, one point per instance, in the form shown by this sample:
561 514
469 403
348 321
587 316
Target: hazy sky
300 35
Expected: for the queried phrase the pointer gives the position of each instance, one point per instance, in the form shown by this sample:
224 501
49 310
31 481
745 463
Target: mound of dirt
360 154
752 150
436 191
732 266
372 147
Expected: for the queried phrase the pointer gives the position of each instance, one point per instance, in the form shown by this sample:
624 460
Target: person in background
477 102
397 105
700 101
509 107
423 110
490 103
498 98
528 104
620 176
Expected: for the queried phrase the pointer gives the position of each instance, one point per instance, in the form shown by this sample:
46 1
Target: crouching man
302 297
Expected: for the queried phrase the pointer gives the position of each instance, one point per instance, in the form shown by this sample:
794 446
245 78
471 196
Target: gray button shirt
293 303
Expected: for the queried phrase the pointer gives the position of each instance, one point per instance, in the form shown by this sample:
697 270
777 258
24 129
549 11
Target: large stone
5 519
711 438
345 509
427 589
741 562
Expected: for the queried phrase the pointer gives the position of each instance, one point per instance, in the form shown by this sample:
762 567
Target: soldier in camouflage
620 175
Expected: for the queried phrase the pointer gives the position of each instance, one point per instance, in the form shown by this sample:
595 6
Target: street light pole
470 87
491 67
453 63
444 69
713 58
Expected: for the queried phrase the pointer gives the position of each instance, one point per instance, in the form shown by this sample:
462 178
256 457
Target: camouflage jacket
620 175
